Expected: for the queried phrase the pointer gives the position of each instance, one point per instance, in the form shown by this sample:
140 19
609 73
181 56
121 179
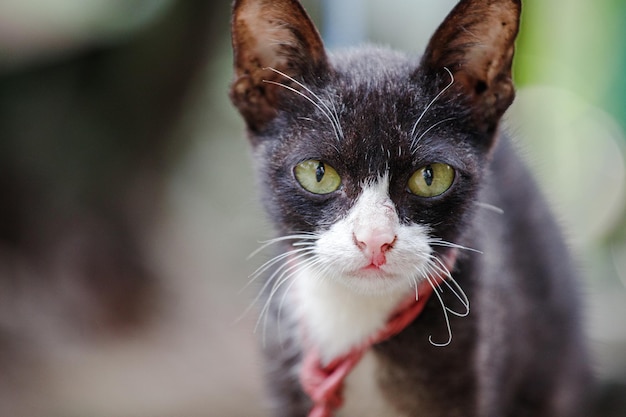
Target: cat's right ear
272 41
474 47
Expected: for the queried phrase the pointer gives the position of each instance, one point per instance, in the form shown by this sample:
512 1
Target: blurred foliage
576 45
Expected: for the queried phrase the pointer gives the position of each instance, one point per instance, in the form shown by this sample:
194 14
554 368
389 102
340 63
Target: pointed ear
476 44
271 37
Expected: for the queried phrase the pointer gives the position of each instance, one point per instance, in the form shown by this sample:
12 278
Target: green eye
431 180
317 177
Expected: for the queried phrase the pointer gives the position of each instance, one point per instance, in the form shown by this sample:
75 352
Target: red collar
324 384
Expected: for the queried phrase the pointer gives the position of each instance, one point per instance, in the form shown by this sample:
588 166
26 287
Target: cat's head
370 156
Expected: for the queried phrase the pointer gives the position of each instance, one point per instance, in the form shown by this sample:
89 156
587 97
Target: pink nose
374 243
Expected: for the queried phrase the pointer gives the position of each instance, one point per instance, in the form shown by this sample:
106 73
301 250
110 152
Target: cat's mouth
371 267
373 271
375 280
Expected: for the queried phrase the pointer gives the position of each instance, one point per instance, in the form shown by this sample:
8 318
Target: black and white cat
387 177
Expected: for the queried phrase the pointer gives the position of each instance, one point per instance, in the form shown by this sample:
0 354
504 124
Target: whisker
286 265
304 239
287 275
419 119
303 244
336 115
413 283
445 315
422 271
284 277
435 266
446 244
416 141
271 278
456 290
279 281
309 91
490 207
310 264
279 273
267 265
280 310
299 236
332 116
310 100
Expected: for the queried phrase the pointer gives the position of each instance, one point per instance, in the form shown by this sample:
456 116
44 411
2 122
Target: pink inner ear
476 43
274 34
476 49
265 37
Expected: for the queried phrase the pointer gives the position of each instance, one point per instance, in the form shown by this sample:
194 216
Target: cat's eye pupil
317 177
428 175
431 180
319 172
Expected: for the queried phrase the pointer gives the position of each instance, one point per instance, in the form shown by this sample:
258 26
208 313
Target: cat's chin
374 281
372 273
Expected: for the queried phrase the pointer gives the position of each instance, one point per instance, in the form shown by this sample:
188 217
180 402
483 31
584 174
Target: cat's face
369 160
380 182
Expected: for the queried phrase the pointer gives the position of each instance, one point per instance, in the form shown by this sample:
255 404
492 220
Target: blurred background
128 206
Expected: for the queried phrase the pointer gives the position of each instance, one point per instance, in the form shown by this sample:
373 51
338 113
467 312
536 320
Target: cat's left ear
273 40
475 44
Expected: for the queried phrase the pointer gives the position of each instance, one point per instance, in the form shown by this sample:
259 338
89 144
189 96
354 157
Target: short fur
377 116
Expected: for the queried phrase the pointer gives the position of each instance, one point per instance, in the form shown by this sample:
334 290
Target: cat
388 178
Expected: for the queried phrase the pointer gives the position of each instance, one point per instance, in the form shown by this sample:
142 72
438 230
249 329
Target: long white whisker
490 207
456 289
266 285
336 117
413 283
445 315
310 100
272 277
285 276
280 308
270 242
419 119
310 264
416 141
422 271
443 243
435 266
332 116
267 265
295 269
303 244
336 120
277 277
306 241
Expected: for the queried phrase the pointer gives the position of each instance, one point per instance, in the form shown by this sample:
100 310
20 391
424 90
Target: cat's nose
374 243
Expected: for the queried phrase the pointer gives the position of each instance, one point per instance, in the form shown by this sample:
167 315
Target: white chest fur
335 318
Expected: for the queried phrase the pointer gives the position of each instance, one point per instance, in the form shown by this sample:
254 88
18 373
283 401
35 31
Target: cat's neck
334 317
